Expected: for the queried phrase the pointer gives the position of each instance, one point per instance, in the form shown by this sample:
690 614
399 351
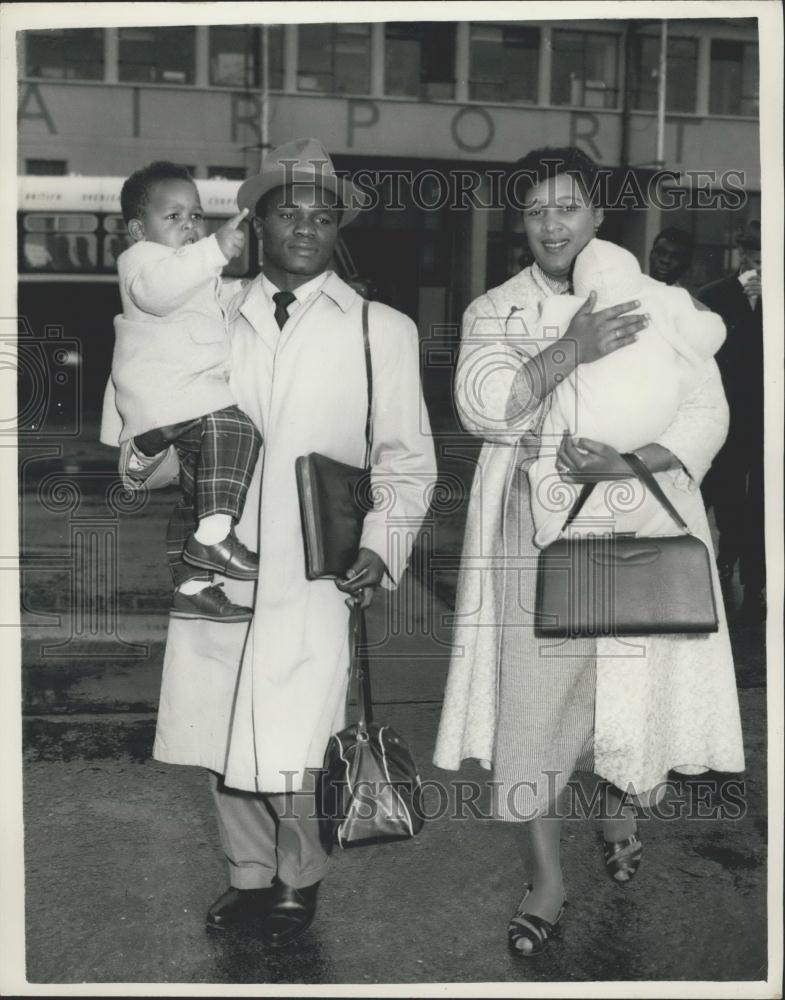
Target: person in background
670 256
734 486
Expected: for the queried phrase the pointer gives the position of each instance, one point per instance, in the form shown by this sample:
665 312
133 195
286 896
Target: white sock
213 528
190 587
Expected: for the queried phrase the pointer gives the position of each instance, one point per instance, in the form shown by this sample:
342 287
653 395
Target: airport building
422 101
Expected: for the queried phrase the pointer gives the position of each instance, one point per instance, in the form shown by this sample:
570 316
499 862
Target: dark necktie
282 302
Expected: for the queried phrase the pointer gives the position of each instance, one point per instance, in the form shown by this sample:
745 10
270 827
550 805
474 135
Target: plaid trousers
217 453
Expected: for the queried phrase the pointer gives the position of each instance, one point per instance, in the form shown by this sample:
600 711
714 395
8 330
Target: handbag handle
358 640
644 473
369 379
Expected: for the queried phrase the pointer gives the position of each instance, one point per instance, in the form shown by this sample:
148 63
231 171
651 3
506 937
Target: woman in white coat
540 712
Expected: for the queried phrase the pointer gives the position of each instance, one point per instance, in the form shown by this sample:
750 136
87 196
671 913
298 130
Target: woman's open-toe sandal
622 858
527 934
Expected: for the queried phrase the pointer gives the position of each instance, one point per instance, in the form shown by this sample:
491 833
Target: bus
70 229
70 232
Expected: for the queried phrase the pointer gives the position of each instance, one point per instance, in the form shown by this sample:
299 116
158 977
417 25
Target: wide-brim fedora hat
302 163
749 237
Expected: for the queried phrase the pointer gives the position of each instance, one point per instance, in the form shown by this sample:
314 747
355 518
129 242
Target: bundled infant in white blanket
626 399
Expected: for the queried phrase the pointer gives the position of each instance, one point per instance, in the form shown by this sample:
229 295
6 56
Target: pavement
122 855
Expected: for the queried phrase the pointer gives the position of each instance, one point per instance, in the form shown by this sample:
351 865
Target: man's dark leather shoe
229 557
290 914
238 908
210 603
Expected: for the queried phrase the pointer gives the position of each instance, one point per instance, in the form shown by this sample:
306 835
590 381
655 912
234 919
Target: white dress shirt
301 293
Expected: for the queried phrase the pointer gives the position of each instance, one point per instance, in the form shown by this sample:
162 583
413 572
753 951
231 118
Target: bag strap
358 639
369 378
578 505
646 476
359 669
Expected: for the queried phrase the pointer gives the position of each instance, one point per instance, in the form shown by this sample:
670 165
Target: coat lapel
255 307
333 289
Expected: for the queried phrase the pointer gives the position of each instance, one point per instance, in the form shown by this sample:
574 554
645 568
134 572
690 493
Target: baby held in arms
170 370
626 399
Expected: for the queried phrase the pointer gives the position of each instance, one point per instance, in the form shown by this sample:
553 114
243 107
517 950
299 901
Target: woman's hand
362 578
581 460
597 334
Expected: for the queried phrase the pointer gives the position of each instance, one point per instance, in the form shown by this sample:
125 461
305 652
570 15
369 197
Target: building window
419 60
65 54
585 69
46 168
334 58
682 73
227 173
236 56
157 55
734 78
504 63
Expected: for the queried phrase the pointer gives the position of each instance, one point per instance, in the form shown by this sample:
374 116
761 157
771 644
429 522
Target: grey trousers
268 836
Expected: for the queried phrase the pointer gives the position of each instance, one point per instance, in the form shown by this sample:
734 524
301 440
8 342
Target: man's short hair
135 192
680 237
278 196
543 164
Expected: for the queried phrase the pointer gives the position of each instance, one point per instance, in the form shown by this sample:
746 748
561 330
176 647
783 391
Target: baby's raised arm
160 280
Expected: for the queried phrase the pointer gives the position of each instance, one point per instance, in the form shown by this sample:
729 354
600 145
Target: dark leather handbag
369 791
625 585
334 499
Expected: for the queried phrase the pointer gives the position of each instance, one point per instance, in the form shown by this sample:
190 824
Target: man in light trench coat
257 705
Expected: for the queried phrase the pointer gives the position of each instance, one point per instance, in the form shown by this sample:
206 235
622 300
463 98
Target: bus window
35 223
115 224
113 247
60 252
60 243
117 241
